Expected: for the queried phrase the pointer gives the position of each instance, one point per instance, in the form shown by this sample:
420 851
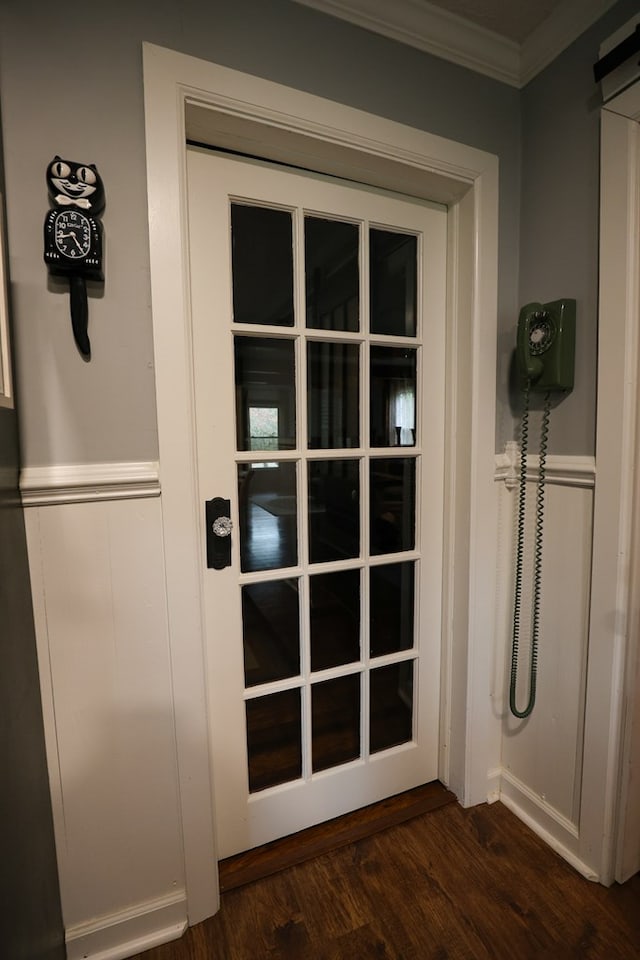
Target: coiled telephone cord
537 561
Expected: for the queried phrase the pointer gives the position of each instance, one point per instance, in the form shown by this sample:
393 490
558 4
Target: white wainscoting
540 777
97 569
97 572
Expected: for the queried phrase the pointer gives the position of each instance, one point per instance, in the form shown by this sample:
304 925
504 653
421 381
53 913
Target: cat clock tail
79 313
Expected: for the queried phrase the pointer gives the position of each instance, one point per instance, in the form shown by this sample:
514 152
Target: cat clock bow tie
62 200
72 238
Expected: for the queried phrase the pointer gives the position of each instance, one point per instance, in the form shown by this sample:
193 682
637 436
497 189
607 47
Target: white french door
318 314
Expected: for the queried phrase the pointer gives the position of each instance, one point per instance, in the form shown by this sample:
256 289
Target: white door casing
189 97
609 822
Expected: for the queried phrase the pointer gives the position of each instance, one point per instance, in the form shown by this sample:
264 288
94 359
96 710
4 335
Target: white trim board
616 547
86 482
567 471
6 373
427 27
286 121
90 482
561 835
129 932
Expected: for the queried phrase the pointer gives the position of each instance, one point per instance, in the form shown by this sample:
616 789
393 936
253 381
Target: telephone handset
545 354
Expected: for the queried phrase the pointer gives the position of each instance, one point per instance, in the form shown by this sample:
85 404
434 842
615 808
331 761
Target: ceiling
514 19
509 40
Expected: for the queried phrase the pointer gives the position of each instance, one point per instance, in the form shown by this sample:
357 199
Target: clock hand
65 236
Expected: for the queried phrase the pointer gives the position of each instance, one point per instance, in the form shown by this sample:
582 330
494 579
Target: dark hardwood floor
327 837
450 884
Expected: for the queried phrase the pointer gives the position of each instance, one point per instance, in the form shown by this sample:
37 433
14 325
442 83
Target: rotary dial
541 333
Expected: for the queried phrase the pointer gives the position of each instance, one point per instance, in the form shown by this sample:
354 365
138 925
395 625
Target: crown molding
433 30
420 24
557 32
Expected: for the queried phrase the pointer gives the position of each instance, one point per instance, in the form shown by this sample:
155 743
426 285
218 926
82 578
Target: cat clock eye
73 236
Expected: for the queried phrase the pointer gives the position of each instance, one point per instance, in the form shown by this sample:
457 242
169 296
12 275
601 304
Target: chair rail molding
88 482
568 471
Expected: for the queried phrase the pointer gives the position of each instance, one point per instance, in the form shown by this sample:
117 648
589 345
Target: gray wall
91 109
30 916
89 106
560 211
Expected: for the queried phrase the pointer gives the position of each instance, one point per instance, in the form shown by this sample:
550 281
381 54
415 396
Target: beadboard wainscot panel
97 569
541 771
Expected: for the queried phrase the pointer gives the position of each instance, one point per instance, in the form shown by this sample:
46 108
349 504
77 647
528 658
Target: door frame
609 829
188 97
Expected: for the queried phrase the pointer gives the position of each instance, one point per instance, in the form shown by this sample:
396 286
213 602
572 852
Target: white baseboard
552 827
129 932
493 784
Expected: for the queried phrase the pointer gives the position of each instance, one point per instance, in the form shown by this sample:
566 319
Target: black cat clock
73 236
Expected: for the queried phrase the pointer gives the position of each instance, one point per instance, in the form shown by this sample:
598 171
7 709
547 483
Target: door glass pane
393 283
393 499
270 631
335 722
262 263
393 397
274 739
391 705
265 394
333 395
334 510
335 618
392 605
332 274
268 522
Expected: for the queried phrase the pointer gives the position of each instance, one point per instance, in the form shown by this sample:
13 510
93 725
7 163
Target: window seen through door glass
333 395
267 507
335 618
391 608
335 722
393 397
391 705
332 278
334 510
393 499
393 283
265 393
274 739
270 631
262 265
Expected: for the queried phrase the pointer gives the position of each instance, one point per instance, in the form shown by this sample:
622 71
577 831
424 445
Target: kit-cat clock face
72 229
72 234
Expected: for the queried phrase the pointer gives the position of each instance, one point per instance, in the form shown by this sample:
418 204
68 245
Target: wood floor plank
281 854
452 884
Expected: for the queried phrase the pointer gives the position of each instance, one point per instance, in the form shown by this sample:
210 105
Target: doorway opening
190 98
